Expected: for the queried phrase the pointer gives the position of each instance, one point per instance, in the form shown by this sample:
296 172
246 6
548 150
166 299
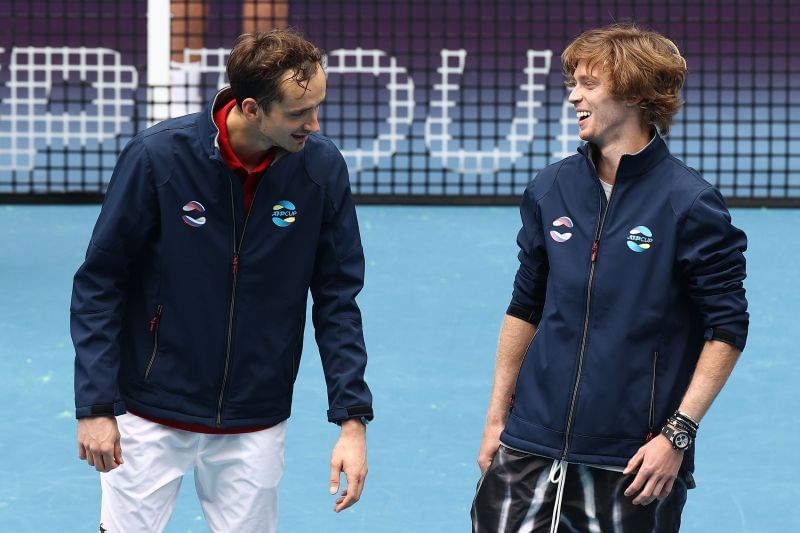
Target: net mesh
451 101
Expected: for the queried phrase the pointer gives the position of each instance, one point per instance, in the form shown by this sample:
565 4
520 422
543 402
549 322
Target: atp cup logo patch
284 213
562 237
640 239
192 210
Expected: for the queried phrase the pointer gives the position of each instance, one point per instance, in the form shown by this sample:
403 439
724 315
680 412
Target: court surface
438 282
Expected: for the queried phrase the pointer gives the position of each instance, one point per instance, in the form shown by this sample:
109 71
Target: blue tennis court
438 282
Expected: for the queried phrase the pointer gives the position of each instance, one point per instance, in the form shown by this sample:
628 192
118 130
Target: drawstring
558 474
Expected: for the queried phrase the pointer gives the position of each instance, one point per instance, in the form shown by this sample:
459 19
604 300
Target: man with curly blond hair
627 316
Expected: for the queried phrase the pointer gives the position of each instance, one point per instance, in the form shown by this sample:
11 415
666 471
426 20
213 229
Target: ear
249 108
631 101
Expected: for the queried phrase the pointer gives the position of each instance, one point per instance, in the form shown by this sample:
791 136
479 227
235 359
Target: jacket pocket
155 325
652 413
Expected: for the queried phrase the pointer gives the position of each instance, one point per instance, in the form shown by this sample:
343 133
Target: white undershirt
607 188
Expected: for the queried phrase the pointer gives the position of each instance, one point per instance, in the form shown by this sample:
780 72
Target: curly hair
640 63
259 61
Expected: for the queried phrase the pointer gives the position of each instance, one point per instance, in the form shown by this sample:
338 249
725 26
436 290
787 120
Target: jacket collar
632 165
209 132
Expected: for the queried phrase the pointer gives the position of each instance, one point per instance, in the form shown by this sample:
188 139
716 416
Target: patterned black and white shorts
516 496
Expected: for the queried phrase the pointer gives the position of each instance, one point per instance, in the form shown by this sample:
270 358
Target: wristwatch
679 438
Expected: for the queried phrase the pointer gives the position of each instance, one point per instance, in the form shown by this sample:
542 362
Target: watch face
681 440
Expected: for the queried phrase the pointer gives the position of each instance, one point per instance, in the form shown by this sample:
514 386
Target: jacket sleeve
710 256
338 278
530 283
98 291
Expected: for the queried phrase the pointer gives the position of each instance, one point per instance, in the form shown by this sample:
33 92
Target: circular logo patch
640 239
558 236
284 213
192 210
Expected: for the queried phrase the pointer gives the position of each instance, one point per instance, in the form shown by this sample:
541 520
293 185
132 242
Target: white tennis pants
236 478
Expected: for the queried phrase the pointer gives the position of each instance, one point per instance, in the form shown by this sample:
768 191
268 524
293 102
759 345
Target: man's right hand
489 445
98 442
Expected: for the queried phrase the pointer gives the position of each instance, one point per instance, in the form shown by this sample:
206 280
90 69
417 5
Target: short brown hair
641 63
258 62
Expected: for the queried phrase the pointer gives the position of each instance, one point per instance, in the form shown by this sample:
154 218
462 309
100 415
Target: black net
450 101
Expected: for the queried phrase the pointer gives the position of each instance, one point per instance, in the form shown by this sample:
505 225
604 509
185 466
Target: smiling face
603 118
287 122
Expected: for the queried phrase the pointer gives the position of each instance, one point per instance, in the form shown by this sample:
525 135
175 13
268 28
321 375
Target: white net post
158 56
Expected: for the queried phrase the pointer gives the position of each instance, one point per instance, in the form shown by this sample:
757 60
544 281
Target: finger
99 464
363 481
345 503
634 464
666 489
89 456
109 460
118 453
637 483
351 495
647 495
81 452
104 460
333 483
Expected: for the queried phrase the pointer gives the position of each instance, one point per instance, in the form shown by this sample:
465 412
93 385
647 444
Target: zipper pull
595 245
154 320
235 264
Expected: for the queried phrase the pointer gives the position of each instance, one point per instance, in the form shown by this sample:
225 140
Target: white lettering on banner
209 60
401 100
26 124
32 70
437 129
343 61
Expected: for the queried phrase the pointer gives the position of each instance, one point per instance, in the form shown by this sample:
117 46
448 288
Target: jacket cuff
101 409
523 314
726 336
340 414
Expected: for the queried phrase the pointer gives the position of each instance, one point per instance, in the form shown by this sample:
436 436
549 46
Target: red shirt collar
228 155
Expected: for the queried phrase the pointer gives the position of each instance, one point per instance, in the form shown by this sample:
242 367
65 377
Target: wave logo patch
192 210
557 236
284 213
640 239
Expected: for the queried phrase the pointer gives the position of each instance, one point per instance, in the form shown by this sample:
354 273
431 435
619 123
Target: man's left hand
349 456
657 463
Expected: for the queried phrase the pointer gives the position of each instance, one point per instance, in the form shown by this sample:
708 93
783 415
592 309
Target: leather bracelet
677 423
688 419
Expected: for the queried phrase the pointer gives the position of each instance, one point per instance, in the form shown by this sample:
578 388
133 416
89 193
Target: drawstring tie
558 475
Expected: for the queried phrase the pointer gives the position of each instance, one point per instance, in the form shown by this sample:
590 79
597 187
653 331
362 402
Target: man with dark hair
188 313
627 316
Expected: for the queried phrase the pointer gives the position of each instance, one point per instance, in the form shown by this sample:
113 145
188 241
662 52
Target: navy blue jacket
625 293
187 310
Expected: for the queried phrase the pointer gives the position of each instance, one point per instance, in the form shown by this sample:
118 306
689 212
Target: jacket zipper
652 415
237 247
154 326
582 352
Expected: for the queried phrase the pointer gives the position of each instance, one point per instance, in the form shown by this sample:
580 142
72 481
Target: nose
574 96
313 124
